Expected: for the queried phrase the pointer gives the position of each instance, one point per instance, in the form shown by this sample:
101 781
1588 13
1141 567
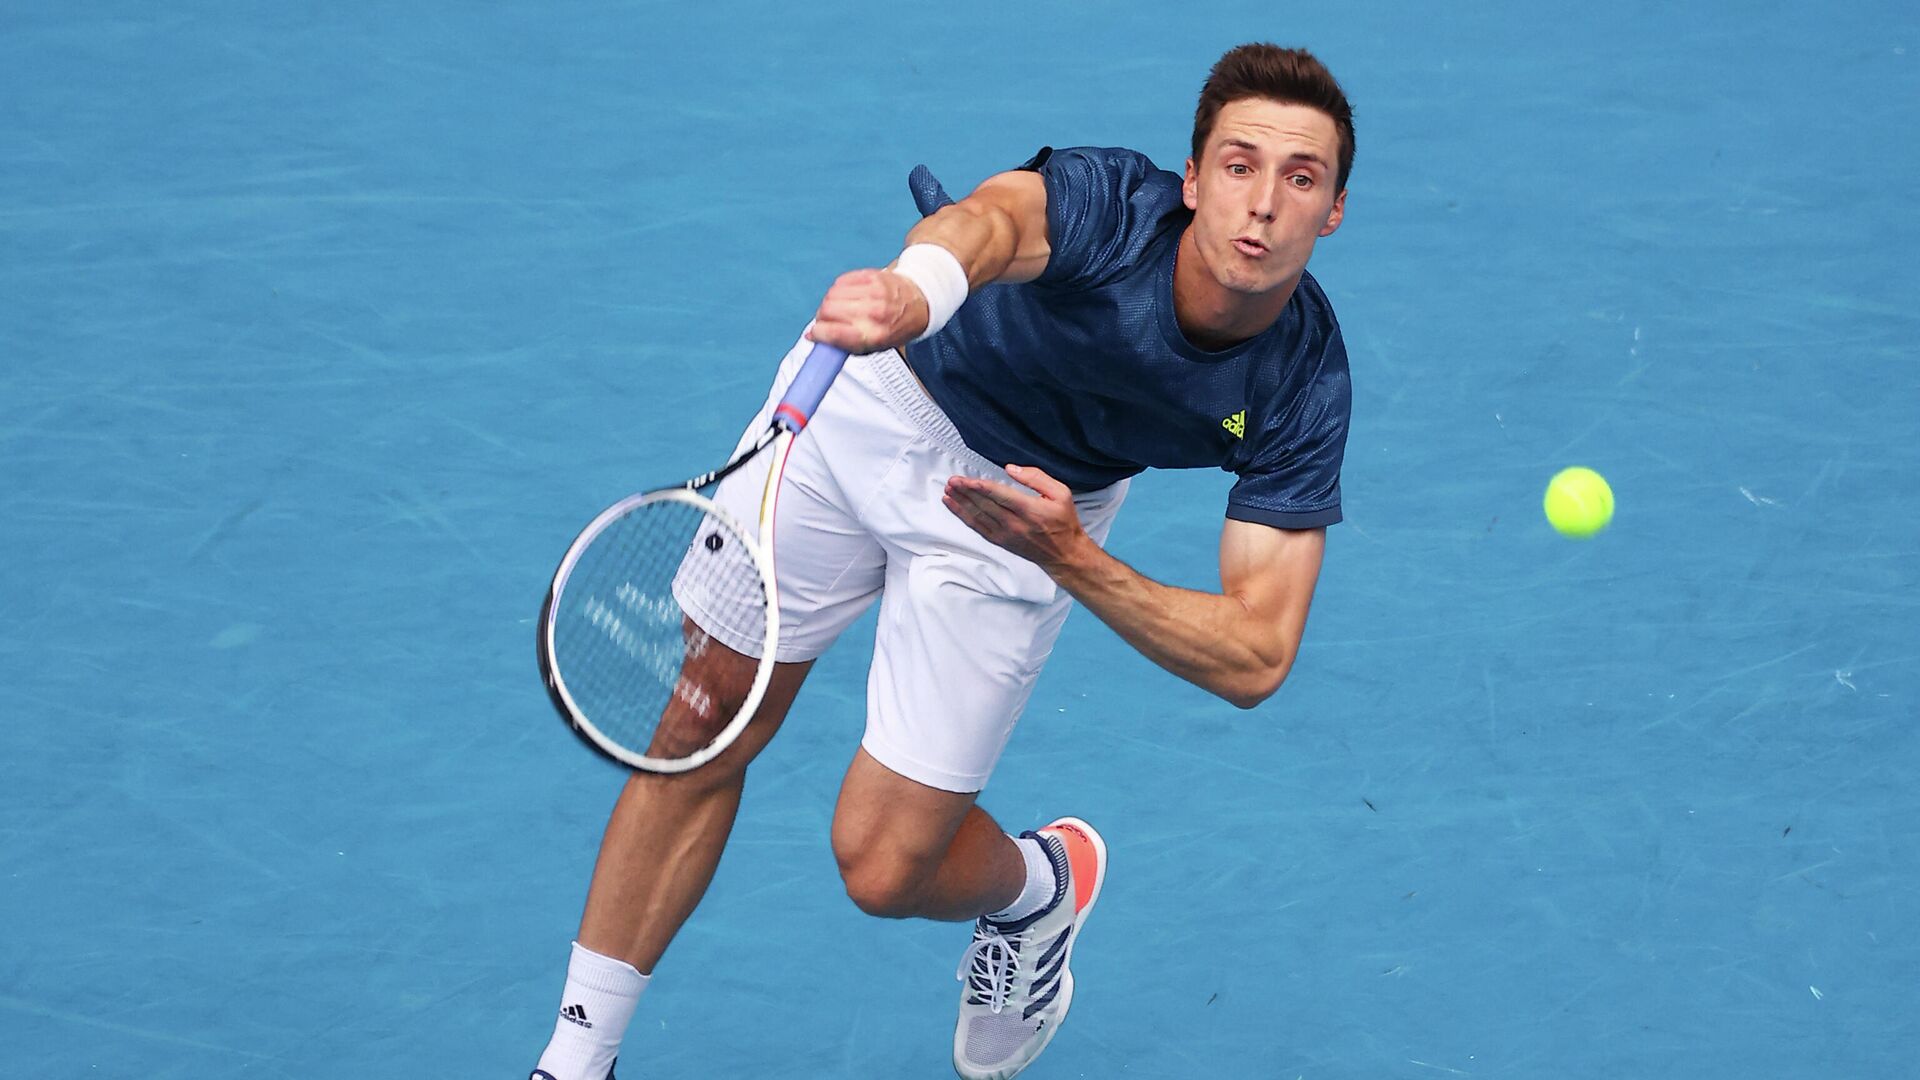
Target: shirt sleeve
1100 206
1292 480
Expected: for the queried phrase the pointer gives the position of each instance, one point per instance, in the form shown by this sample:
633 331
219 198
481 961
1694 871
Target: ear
1190 187
1336 215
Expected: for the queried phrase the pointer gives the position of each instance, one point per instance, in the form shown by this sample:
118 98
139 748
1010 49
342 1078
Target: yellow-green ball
1579 503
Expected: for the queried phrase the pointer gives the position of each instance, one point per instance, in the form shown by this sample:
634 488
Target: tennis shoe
542 1074
1016 976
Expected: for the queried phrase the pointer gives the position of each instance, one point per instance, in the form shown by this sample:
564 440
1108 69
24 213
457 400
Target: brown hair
1288 76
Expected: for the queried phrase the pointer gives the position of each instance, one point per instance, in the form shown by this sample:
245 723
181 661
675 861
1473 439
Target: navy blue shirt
1084 372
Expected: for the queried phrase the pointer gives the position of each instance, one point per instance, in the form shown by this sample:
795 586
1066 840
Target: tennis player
1068 324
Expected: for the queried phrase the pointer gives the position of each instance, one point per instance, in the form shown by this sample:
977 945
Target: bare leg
907 850
664 839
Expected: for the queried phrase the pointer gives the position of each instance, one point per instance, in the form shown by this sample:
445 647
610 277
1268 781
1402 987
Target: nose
1266 200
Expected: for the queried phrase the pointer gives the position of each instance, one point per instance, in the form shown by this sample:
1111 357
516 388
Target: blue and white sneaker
1018 984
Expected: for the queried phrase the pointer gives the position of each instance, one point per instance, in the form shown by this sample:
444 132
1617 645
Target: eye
1239 169
1301 181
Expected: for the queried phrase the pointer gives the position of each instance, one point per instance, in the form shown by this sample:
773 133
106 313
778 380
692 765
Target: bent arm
998 233
1239 643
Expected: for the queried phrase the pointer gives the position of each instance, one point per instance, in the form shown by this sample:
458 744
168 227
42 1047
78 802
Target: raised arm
998 233
1238 643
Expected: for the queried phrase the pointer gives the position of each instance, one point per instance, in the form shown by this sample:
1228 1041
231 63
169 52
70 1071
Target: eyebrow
1297 155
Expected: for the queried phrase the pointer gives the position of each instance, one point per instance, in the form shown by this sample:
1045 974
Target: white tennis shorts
965 625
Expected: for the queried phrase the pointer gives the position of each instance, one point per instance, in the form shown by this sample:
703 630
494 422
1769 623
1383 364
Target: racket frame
790 417
550 674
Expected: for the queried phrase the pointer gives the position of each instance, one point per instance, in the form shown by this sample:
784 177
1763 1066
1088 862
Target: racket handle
809 387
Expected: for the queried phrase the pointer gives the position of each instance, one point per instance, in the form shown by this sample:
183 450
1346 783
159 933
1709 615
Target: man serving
1065 326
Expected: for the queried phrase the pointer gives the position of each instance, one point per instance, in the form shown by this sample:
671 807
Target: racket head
626 666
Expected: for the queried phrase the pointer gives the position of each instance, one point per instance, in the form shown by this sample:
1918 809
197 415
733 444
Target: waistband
897 383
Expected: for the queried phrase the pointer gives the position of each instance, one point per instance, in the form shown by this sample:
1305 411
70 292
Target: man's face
1263 192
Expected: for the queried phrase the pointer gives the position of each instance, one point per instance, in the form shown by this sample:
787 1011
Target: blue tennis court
324 327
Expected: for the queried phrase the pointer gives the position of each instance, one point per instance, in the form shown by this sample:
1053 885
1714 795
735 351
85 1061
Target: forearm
982 237
1212 640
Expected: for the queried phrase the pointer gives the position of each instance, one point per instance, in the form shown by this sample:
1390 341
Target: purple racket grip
809 387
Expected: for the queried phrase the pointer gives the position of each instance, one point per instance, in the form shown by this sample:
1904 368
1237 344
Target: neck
1213 316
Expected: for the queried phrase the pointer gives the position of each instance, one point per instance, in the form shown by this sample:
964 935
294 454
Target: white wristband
940 278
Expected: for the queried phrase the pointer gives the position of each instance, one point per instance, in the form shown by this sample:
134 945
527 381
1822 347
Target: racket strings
633 629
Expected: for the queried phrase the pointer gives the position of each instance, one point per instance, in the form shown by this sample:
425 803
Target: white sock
1042 882
594 1011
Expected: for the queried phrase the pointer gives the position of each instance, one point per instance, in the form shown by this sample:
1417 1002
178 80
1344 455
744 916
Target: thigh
965 628
955 660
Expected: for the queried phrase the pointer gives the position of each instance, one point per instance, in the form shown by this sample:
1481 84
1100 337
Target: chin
1248 284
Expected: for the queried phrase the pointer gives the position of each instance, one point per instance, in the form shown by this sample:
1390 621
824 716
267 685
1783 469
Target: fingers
978 508
1037 479
869 310
1045 487
983 517
1010 498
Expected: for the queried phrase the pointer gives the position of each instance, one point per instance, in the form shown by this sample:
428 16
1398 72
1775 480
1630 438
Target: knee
881 887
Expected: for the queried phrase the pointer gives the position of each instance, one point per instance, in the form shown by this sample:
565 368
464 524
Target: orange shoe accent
1082 857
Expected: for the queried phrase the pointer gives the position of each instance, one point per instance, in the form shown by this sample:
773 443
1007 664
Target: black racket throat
712 479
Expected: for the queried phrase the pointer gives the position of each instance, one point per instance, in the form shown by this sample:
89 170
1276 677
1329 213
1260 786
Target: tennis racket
658 633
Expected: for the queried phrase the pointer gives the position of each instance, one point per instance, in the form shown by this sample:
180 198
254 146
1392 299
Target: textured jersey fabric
1085 373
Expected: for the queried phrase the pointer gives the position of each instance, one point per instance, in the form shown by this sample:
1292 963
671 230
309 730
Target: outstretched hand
870 310
1042 527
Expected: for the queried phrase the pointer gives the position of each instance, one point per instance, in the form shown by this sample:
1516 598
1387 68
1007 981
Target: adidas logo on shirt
576 1014
1237 424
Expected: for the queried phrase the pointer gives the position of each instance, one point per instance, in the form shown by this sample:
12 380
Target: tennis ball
1579 503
